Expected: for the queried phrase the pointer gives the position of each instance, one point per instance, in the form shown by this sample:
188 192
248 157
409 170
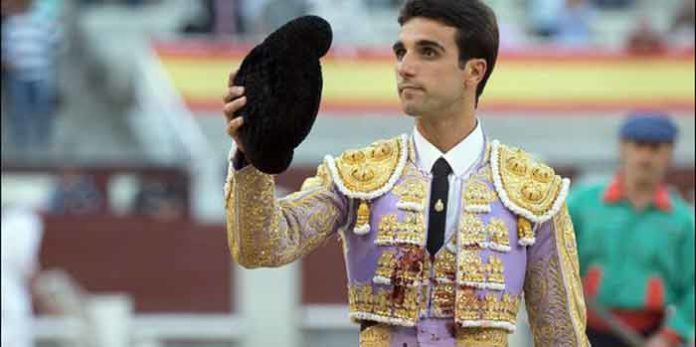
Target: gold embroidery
554 297
470 267
360 298
529 184
378 335
481 337
363 214
386 230
471 230
412 190
467 306
499 235
567 249
472 308
382 305
493 308
369 169
409 232
386 265
406 303
494 270
443 300
445 267
410 266
478 193
395 302
259 235
524 229
322 179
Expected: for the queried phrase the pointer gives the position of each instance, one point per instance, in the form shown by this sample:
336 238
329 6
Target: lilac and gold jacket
514 240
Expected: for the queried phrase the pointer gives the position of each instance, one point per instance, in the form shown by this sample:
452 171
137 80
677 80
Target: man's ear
474 71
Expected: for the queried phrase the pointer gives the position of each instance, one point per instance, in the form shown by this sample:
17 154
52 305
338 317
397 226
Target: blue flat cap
649 127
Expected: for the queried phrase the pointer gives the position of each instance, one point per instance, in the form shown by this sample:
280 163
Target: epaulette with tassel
369 173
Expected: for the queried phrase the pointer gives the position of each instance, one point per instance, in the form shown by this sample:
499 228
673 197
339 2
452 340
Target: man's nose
406 67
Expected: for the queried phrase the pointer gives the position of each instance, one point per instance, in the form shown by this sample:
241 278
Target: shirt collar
615 192
461 158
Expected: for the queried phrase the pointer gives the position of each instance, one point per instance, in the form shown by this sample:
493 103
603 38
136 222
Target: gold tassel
525 232
362 223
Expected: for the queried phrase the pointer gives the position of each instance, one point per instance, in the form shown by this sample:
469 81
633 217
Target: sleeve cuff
237 158
239 161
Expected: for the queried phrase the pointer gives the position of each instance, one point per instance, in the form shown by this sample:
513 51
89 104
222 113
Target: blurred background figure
22 230
636 243
681 30
158 200
31 40
563 22
76 194
645 39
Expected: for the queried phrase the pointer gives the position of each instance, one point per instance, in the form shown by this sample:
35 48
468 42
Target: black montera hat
283 84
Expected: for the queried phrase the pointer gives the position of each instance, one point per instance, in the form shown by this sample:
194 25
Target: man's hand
658 341
234 100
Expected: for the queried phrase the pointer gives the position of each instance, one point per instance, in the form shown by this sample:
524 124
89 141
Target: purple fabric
428 333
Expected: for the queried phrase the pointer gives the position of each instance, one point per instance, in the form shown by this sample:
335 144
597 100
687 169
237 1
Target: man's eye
399 53
429 53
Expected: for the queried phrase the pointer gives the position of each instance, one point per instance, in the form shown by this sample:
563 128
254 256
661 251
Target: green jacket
637 260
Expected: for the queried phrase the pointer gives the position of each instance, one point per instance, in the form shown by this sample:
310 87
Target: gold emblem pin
439 206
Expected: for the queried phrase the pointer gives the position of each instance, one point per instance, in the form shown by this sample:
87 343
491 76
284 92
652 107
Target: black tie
438 205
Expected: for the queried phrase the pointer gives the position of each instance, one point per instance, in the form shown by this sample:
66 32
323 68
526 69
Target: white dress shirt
462 159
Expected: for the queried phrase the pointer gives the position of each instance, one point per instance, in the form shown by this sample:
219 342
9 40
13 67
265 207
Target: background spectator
645 39
31 39
158 200
76 194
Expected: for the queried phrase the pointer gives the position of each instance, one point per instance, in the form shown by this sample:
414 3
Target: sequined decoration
472 231
482 337
478 193
386 230
473 310
386 266
470 268
499 235
378 335
494 271
525 232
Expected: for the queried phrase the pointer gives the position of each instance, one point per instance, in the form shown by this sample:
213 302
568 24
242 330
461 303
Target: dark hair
477 28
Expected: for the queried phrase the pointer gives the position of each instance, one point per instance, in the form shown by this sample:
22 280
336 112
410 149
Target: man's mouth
409 87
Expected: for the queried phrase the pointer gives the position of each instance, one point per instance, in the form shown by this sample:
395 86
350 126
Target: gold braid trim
553 292
566 246
369 173
265 232
528 188
378 335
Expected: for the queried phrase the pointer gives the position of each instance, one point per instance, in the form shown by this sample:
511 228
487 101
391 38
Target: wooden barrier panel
172 267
